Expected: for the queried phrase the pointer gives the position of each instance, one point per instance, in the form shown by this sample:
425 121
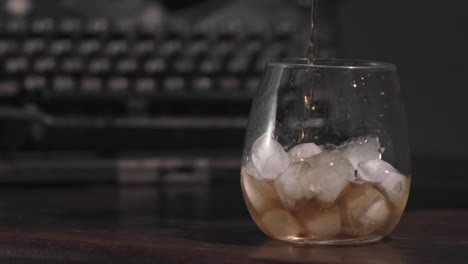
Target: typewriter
135 90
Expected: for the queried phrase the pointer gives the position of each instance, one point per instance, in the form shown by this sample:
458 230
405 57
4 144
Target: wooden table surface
192 224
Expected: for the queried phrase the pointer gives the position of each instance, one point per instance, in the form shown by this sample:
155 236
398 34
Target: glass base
337 242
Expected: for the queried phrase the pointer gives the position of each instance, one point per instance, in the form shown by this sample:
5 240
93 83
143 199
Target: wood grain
197 224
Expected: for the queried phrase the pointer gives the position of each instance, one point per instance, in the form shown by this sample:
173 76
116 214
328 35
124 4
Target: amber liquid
312 45
309 221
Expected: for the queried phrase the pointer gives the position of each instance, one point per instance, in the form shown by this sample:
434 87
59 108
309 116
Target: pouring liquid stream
311 50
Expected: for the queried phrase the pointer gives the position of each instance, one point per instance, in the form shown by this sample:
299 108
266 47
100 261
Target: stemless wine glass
326 157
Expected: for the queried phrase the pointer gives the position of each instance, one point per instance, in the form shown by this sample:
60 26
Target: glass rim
347 64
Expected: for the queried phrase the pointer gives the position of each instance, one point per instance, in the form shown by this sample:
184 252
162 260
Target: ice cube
269 157
280 224
362 149
327 224
261 195
303 151
366 211
250 169
374 170
396 187
326 175
290 189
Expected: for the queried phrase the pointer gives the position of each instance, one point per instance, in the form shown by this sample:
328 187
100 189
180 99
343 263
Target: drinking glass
326 157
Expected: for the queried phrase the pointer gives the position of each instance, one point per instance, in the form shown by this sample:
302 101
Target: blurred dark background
426 41
159 91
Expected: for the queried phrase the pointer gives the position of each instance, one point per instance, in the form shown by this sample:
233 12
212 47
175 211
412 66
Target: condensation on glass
326 157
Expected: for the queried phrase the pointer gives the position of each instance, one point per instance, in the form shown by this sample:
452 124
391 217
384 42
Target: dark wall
428 41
